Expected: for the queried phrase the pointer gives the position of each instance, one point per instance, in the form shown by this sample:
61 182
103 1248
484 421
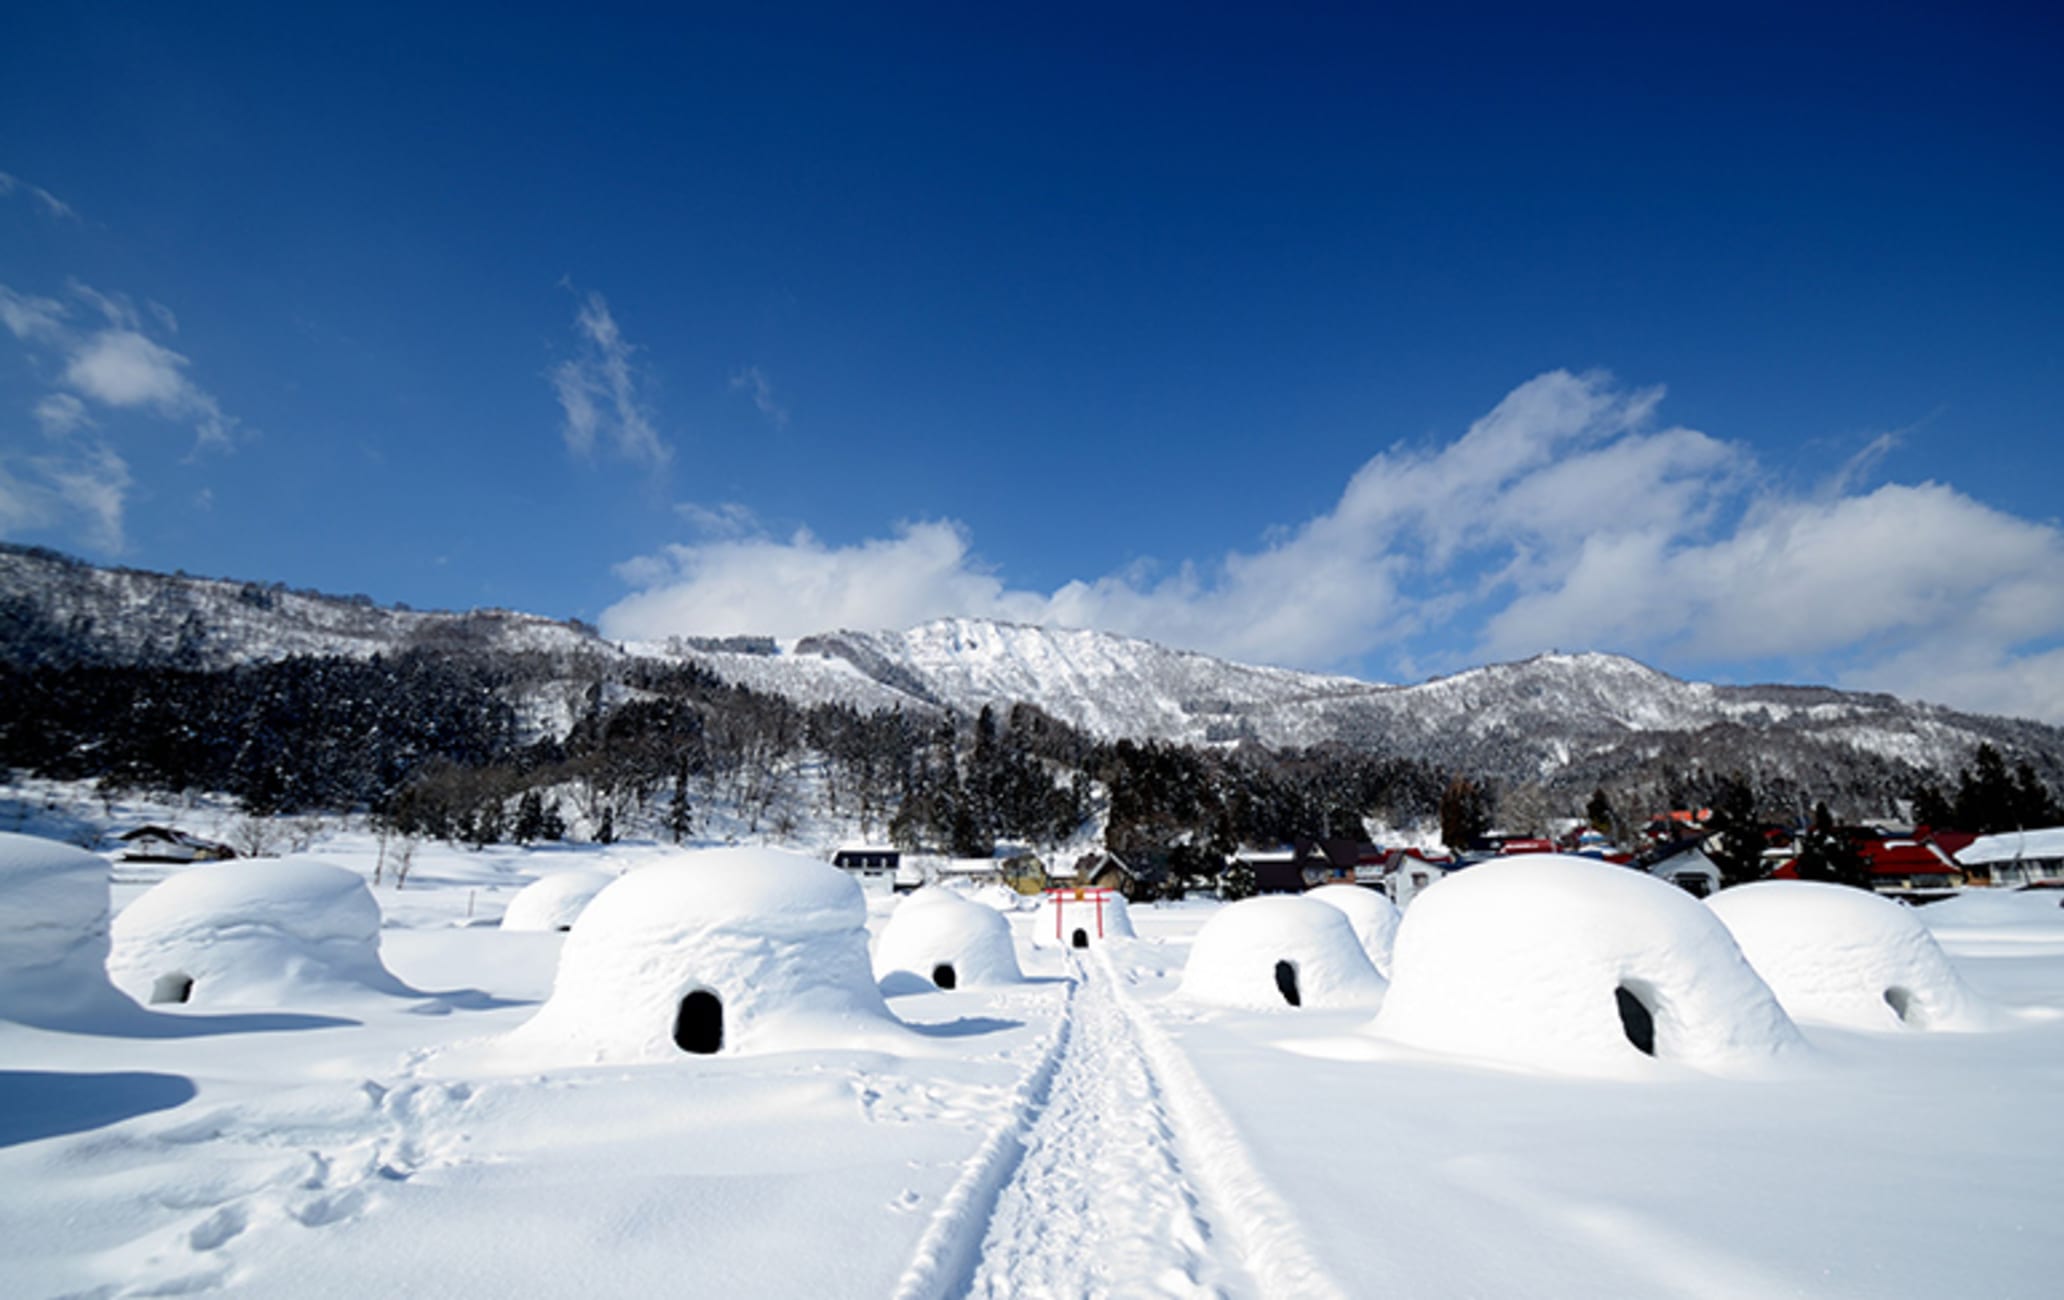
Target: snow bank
1846 957
552 902
1988 908
1065 920
947 940
250 933
1265 953
54 935
1373 916
737 951
1565 964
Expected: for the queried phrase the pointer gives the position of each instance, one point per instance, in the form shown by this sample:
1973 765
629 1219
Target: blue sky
1372 343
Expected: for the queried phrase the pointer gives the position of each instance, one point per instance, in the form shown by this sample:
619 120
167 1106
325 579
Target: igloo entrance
942 975
175 987
1286 982
699 1025
1081 939
1901 1002
1636 1020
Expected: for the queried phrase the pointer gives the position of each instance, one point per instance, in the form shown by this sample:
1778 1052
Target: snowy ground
1085 1133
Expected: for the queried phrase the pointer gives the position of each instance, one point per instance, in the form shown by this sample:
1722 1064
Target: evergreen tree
679 821
1827 854
1735 838
1465 813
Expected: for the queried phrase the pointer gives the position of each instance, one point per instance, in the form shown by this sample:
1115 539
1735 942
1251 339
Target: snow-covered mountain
1557 713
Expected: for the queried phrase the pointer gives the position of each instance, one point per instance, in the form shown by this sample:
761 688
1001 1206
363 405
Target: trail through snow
1125 1168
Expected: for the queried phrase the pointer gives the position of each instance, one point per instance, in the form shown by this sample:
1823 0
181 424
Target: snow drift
1265 953
1078 918
553 902
741 950
1846 957
1373 917
1571 965
253 933
948 941
54 935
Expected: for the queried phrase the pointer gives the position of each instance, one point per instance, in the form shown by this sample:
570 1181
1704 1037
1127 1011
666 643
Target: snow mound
552 902
1984 909
1846 957
54 934
1576 966
1078 918
252 933
1374 918
732 951
948 941
1265 953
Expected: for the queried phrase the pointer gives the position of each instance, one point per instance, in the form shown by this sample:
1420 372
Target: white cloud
116 366
754 381
598 391
51 205
1562 519
59 414
82 489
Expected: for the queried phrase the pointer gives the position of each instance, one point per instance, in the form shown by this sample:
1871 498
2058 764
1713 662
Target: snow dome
250 933
53 934
1839 955
738 950
552 902
1077 918
1268 952
1374 918
947 940
1575 965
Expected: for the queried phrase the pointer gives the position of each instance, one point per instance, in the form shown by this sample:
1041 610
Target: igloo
1077 918
948 941
54 935
1841 956
1373 917
1574 965
251 933
1267 953
552 902
740 950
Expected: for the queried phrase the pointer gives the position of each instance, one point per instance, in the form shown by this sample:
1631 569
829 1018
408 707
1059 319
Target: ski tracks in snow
1114 1173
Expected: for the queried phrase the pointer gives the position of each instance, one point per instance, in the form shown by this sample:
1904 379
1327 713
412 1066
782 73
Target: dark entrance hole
943 976
1081 938
175 987
565 929
1286 983
699 1027
1636 1020
1901 1002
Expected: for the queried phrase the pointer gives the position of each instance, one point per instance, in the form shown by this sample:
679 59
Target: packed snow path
1124 1166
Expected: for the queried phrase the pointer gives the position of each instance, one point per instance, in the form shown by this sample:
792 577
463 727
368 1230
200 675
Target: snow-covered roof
2014 846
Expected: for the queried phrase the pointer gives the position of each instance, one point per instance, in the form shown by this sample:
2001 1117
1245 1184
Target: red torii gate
1079 894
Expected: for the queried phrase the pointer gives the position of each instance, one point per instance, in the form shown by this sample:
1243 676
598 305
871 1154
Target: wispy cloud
1566 517
754 381
114 364
81 488
598 391
51 205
